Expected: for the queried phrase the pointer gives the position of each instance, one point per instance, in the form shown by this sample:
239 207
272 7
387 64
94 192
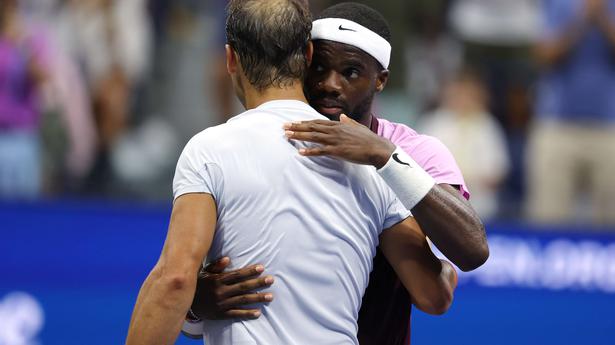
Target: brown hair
271 39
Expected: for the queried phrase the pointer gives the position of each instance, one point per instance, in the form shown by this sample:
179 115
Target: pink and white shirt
429 152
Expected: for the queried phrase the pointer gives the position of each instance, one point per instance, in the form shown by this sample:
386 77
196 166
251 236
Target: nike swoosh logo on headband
346 29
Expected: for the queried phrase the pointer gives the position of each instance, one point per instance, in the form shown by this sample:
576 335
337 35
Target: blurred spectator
223 88
111 40
497 36
184 81
465 126
176 102
496 22
572 145
24 68
68 131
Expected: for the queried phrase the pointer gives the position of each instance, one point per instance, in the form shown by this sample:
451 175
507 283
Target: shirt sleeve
396 212
430 153
196 172
435 158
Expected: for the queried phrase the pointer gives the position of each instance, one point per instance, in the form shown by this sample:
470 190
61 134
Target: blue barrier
70 273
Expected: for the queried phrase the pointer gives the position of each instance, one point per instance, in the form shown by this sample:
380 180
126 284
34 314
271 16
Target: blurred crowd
98 97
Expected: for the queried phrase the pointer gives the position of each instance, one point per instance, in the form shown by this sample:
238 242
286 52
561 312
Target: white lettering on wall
21 319
559 264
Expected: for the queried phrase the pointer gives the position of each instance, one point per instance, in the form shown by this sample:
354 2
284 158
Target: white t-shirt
479 146
313 222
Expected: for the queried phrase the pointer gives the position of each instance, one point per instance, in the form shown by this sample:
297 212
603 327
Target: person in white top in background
242 190
464 125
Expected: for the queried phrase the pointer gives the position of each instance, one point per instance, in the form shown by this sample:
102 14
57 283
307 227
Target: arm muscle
167 292
429 280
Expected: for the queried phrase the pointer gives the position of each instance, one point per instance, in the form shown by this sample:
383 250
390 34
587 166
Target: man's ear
309 53
231 60
381 80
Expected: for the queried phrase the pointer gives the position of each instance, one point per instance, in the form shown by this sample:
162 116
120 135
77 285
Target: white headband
348 32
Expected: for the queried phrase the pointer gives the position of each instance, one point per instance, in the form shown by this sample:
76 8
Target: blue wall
79 267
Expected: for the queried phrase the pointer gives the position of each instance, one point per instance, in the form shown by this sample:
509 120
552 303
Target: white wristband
193 330
406 178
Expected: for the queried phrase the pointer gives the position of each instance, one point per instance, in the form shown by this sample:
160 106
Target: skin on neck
249 96
254 98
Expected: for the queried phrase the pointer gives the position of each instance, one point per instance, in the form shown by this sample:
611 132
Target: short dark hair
360 14
271 39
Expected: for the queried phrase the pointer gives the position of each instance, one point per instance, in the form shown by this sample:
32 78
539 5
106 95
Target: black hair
271 39
360 14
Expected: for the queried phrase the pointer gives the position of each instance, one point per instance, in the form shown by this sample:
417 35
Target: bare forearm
453 226
440 287
442 213
427 279
436 289
160 309
448 274
167 292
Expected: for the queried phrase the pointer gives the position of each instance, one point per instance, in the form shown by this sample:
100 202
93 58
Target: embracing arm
453 226
443 214
167 292
429 280
227 295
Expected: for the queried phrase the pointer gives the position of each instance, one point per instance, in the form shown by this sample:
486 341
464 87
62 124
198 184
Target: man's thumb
218 266
347 120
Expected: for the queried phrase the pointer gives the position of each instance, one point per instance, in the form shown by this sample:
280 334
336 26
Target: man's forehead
342 50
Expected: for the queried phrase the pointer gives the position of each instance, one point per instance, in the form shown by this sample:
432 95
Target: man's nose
331 83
